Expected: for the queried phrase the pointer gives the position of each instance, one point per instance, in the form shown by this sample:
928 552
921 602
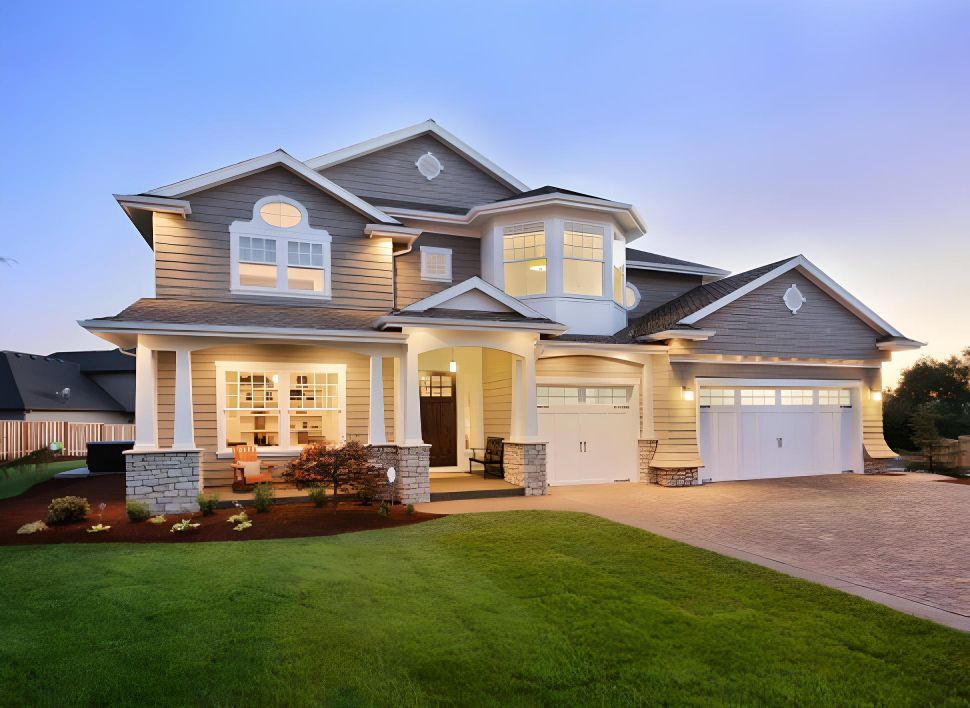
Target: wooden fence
18 437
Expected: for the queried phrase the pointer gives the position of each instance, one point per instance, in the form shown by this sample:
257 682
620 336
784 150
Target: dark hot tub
108 456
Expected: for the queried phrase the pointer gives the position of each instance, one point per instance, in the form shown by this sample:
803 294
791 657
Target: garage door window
832 397
556 396
797 397
716 397
757 397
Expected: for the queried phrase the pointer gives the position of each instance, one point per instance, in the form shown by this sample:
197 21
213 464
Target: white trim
674 359
405 235
436 251
399 136
674 268
473 283
302 333
284 419
598 348
262 162
900 345
470 325
128 202
701 381
693 335
814 274
637 296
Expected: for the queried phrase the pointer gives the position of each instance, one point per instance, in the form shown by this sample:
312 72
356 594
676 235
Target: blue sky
744 131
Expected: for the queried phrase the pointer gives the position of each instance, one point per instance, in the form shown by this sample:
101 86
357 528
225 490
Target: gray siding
465 263
389 176
192 255
657 288
760 323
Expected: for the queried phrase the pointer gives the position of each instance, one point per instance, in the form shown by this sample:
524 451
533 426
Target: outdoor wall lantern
875 395
688 393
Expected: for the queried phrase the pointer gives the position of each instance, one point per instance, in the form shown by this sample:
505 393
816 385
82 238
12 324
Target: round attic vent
429 166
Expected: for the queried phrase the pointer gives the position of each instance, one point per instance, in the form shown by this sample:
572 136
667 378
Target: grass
14 481
515 608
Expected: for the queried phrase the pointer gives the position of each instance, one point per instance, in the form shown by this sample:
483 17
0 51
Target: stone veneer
168 481
675 477
647 449
525 466
414 473
872 465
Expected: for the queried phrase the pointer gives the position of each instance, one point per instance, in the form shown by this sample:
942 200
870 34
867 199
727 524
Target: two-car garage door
757 433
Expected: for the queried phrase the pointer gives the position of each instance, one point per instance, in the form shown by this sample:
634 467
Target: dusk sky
743 132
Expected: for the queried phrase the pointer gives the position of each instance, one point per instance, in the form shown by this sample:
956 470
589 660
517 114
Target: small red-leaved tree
340 467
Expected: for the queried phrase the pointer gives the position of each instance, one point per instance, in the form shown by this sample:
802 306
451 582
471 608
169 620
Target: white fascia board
694 335
675 268
473 283
399 136
604 347
470 325
110 327
815 275
405 235
900 345
128 202
262 162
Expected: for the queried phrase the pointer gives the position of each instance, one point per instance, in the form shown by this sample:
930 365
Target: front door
439 417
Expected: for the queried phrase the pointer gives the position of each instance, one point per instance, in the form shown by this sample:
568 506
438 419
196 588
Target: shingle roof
668 314
548 189
99 361
634 255
447 313
31 382
204 312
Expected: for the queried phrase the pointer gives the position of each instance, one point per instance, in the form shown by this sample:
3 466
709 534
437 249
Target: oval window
280 214
631 296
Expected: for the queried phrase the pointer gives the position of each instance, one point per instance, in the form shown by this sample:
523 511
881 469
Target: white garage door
757 433
591 432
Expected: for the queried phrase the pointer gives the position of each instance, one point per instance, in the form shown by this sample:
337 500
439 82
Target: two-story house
409 292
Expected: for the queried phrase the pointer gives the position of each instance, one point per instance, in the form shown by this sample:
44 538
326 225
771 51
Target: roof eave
675 268
473 325
694 335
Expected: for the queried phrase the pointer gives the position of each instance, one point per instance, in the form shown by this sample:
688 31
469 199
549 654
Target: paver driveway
903 536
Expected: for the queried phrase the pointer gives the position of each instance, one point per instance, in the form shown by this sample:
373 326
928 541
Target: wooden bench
492 458
243 481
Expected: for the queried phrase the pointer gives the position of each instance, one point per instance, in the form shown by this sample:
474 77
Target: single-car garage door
591 432
757 433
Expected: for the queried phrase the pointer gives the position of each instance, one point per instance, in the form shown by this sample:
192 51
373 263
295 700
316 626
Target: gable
759 323
389 177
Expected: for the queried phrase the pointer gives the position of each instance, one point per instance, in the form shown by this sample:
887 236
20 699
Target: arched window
278 253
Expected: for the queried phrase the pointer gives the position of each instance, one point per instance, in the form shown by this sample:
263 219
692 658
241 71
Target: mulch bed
281 521
956 480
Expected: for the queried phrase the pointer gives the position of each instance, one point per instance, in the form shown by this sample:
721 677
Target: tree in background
942 389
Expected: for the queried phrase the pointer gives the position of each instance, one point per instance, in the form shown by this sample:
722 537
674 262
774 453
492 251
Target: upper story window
619 270
436 264
278 253
524 256
582 265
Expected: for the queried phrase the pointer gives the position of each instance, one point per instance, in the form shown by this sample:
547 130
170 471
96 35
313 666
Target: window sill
432 279
266 452
271 292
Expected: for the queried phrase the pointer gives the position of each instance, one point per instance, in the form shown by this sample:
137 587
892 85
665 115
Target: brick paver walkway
903 536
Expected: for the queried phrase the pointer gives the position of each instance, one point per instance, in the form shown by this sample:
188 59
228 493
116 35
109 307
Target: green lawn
17 480
516 608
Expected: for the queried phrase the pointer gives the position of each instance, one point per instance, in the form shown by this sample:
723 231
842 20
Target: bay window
278 253
582 264
619 270
280 406
524 257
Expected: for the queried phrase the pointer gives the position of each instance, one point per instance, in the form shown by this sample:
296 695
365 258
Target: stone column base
525 466
647 448
871 465
414 473
675 477
169 481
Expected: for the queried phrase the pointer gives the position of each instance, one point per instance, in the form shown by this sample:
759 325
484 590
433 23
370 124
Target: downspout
395 254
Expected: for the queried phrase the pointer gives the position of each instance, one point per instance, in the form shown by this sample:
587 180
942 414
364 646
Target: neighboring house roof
642 260
548 189
685 313
30 382
102 361
428 127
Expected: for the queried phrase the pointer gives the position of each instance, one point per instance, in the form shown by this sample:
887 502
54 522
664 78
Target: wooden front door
439 426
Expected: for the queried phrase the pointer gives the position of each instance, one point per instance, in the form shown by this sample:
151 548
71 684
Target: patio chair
248 469
491 458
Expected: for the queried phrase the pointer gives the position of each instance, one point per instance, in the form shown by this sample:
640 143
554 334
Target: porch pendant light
453 365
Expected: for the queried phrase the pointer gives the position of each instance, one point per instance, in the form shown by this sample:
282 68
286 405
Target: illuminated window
556 396
436 264
757 397
524 256
797 397
279 230
281 406
716 397
437 385
280 214
619 271
835 397
582 265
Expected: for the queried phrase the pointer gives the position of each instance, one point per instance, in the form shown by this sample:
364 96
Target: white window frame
436 251
282 236
544 224
606 293
286 372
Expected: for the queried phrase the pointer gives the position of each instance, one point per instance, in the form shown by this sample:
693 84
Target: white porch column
398 402
412 400
518 404
646 401
530 413
146 435
375 431
184 427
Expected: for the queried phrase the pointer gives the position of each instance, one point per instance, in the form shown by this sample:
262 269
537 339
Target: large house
409 292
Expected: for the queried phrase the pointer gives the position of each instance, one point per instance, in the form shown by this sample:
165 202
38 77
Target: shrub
64 510
184 525
409 509
32 527
318 495
339 467
137 510
262 497
239 518
207 503
384 509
